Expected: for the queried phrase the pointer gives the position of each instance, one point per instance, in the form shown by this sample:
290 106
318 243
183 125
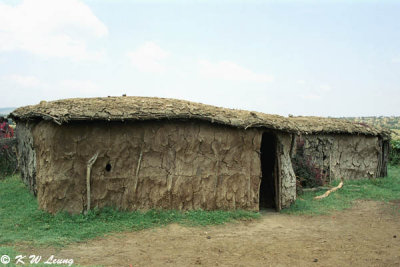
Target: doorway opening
269 184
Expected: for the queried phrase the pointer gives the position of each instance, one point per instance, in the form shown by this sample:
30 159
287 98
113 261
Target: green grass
22 222
380 189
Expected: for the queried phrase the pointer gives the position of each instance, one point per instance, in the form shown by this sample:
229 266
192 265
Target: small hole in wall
108 167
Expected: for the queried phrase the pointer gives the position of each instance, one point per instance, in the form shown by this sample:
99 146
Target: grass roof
128 108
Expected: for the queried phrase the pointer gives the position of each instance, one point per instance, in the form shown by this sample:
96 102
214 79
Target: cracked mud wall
345 156
286 173
179 165
26 154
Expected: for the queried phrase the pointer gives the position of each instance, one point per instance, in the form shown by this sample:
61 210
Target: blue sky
325 58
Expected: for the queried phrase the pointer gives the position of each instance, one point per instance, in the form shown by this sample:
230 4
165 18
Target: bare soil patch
366 235
396 202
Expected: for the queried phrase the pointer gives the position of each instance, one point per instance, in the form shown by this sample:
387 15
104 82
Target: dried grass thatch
148 108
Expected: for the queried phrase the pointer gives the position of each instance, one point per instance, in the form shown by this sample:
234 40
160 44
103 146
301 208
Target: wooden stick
330 168
89 167
138 169
330 191
51 117
279 176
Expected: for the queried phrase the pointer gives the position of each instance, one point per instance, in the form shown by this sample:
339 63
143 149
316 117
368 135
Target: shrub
8 157
394 156
308 174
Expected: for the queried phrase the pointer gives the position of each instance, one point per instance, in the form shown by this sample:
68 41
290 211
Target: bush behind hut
394 157
308 174
8 157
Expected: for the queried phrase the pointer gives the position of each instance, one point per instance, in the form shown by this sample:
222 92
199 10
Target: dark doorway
269 179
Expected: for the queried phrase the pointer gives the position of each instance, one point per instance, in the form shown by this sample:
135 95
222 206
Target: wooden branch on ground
330 191
89 168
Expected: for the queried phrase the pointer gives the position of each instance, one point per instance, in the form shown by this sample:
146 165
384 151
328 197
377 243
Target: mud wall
344 156
164 164
286 174
26 154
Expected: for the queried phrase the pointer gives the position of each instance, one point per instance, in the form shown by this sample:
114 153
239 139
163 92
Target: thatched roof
148 108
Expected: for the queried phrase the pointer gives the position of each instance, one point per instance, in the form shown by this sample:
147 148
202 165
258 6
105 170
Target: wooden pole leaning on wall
330 168
90 163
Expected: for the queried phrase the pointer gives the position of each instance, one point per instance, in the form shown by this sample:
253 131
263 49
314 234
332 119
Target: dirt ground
366 235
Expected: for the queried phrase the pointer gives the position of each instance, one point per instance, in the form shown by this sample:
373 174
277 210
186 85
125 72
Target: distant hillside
392 123
6 111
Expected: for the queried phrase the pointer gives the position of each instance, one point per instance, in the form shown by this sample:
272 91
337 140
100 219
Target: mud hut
331 154
171 154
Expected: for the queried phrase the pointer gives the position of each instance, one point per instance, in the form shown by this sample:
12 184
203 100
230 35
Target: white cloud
149 58
231 71
50 28
23 80
325 88
301 81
